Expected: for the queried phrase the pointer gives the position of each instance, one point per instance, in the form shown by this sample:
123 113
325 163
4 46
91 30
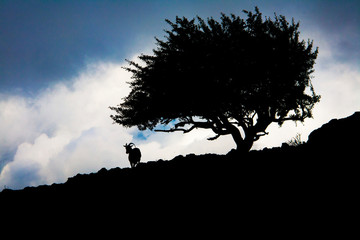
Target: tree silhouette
223 76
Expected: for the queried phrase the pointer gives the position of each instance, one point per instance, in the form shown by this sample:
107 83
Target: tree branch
215 137
295 118
258 135
176 129
178 126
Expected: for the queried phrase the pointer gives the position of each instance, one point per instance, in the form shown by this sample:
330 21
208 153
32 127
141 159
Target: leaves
235 69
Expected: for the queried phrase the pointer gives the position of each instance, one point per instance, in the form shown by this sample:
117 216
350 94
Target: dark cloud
6 156
336 15
25 174
44 136
339 23
46 41
51 40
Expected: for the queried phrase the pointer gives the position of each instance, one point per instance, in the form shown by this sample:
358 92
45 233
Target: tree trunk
243 145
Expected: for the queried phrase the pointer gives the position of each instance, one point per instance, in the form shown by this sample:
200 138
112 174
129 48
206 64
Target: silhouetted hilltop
337 136
291 173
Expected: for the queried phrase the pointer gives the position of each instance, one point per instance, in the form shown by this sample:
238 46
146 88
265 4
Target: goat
134 154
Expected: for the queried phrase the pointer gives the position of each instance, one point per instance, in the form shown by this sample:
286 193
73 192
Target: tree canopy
223 75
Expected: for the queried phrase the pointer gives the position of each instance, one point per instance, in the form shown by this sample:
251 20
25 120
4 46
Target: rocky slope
324 166
337 136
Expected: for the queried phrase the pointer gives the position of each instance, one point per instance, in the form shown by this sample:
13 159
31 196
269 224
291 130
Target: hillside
311 170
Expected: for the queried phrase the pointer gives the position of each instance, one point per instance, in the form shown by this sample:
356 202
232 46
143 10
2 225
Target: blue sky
60 68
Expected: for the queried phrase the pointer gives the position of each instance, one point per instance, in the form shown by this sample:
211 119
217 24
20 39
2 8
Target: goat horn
131 144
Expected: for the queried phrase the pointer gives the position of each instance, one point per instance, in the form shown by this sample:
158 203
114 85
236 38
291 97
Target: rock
337 136
221 180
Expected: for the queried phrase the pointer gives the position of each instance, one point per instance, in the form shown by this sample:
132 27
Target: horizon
61 68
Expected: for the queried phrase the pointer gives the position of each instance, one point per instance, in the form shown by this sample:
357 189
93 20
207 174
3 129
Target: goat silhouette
134 154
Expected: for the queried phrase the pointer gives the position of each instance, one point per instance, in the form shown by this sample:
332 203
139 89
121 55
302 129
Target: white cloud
64 130
169 145
13 120
340 85
67 130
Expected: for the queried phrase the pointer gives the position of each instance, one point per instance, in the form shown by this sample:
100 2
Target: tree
223 76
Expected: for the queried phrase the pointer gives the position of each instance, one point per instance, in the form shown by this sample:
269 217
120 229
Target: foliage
222 76
295 141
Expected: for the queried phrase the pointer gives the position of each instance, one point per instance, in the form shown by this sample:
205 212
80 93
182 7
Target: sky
61 67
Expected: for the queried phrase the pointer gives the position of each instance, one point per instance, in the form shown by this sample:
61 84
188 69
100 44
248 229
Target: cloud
339 22
45 41
337 82
64 130
169 145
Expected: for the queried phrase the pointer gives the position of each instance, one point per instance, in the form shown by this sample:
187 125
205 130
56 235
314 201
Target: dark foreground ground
293 173
314 184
